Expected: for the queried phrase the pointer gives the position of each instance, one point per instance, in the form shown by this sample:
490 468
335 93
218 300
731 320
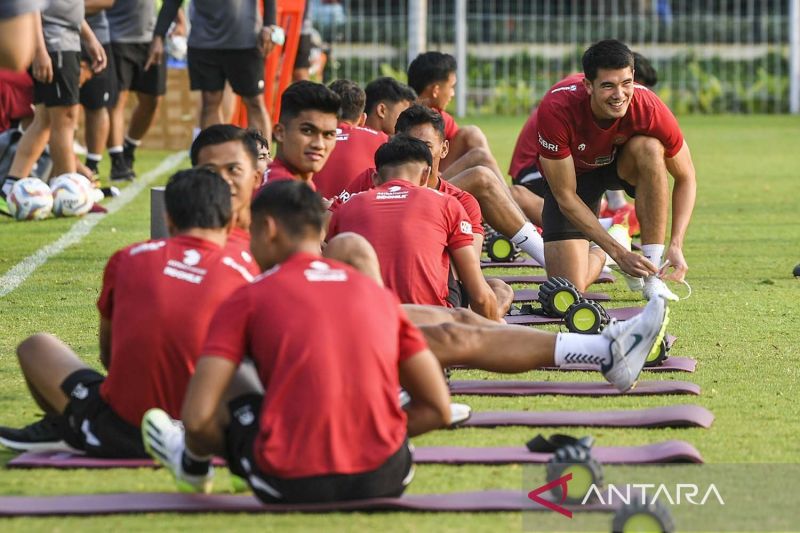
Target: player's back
160 297
353 154
410 228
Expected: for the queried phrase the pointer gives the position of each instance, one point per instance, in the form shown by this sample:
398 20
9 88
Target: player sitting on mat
355 147
416 231
599 130
306 132
316 418
157 300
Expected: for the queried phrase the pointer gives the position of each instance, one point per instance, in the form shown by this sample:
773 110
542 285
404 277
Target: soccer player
601 130
233 153
131 24
155 306
99 94
19 23
386 99
56 73
322 421
227 43
355 145
306 132
416 231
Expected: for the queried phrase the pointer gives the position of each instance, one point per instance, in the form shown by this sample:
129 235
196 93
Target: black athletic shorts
591 186
63 90
388 480
129 61
101 90
244 70
532 179
303 57
457 295
92 425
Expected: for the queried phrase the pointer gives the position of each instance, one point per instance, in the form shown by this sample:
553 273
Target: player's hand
677 264
97 54
42 67
635 264
156 53
265 44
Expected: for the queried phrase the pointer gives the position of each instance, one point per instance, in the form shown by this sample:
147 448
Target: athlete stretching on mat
321 419
157 300
599 131
416 231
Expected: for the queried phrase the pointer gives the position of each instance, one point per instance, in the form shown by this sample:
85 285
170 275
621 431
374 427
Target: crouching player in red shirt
322 422
157 300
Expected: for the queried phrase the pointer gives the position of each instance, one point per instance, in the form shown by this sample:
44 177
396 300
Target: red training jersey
412 230
566 125
365 181
280 171
326 390
160 297
238 247
354 153
450 126
526 153
16 97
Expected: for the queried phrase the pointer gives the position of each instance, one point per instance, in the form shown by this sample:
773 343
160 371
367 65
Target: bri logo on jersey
547 145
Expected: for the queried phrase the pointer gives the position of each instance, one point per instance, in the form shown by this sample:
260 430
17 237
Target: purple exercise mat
556 388
620 313
657 417
539 279
671 451
521 262
106 504
532 295
672 364
66 460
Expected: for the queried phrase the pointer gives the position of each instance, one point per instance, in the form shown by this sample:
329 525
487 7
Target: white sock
134 142
529 240
653 253
579 348
94 157
115 150
616 199
606 222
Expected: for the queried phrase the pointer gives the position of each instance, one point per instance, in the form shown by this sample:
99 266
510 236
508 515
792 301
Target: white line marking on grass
22 270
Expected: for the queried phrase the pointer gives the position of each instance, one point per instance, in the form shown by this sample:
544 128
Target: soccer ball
72 195
30 199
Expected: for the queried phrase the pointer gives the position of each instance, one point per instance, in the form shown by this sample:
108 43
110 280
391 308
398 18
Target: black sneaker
120 170
41 436
128 153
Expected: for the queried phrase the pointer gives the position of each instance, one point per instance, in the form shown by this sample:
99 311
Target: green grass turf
741 324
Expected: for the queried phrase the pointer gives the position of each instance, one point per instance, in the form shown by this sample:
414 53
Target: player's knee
646 147
254 102
29 349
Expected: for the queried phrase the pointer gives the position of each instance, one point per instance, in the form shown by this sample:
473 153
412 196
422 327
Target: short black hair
221 134
430 67
387 90
353 99
610 54
198 198
306 95
418 115
643 71
258 137
402 149
293 204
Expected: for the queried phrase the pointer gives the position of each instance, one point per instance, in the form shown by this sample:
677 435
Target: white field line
22 270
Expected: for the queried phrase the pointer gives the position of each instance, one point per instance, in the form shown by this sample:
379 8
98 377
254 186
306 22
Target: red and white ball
73 195
30 199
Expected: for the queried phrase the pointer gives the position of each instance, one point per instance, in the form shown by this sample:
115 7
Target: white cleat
655 286
163 440
459 413
632 341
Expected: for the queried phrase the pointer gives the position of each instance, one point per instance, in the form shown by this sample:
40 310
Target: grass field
741 324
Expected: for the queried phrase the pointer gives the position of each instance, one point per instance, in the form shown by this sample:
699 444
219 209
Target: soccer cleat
619 233
655 286
120 170
163 440
633 341
459 413
625 216
44 435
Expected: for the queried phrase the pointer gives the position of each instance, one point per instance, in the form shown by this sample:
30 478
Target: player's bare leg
143 115
116 133
98 124
574 260
257 116
32 144
469 148
504 294
211 108
642 165
531 204
62 133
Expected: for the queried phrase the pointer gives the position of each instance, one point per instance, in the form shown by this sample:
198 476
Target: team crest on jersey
466 227
320 271
191 257
582 147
